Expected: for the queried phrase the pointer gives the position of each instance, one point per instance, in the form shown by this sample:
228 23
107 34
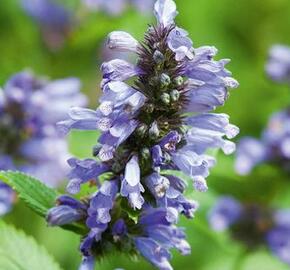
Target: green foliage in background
242 30
19 252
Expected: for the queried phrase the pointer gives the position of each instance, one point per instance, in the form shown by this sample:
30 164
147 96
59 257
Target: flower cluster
116 7
29 138
254 225
55 20
274 146
155 119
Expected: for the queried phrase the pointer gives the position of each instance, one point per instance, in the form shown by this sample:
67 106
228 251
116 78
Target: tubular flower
27 125
155 118
254 225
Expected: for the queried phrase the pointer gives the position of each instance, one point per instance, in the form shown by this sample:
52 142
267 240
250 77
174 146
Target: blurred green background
242 30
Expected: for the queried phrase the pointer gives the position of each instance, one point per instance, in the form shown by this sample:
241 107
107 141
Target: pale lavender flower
224 214
273 147
7 197
278 66
30 141
55 20
253 225
116 7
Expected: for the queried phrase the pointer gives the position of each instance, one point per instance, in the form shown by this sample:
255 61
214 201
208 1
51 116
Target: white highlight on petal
106 108
132 172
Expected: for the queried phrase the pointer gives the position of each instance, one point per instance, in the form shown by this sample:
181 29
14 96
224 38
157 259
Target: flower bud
154 131
175 95
142 129
63 214
165 98
145 153
149 108
158 57
178 81
164 80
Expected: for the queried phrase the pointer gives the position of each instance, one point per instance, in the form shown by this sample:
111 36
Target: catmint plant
254 225
29 140
274 145
156 123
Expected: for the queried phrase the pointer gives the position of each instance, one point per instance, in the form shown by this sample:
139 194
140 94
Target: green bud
165 80
154 131
158 57
166 125
149 108
142 129
178 81
175 95
165 98
145 153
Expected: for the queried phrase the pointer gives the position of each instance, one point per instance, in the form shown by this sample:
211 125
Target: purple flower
88 263
165 12
278 240
7 197
122 41
68 211
101 204
161 236
273 147
250 153
55 20
157 184
32 143
119 228
224 214
28 122
83 171
116 7
278 66
154 252
254 225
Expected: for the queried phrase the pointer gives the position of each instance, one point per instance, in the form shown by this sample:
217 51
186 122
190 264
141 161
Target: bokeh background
242 30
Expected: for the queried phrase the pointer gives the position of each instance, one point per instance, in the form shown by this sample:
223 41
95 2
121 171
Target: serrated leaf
20 252
35 194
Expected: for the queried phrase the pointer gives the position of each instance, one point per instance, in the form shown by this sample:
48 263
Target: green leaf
35 194
20 252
